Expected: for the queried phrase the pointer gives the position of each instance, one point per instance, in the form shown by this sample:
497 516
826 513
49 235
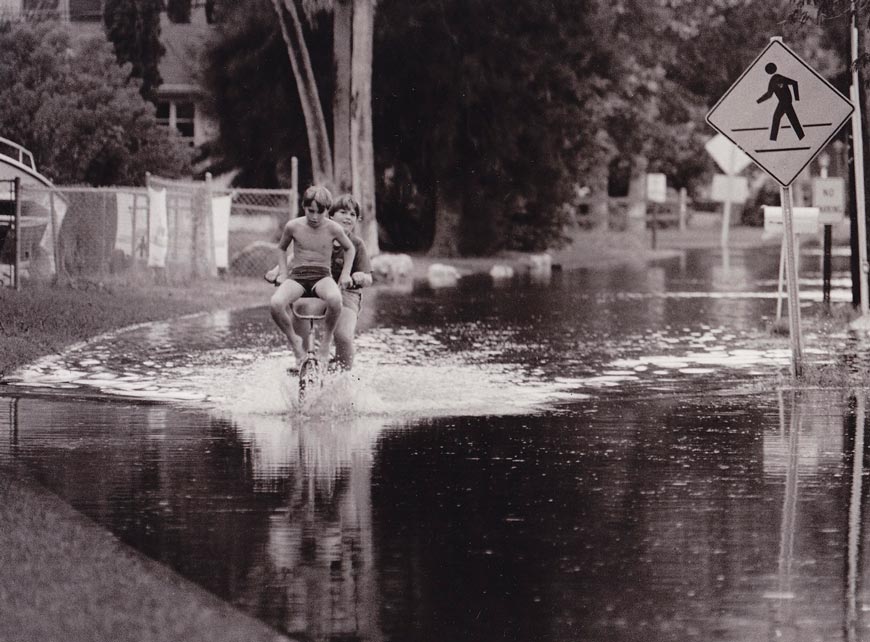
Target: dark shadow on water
604 456
729 518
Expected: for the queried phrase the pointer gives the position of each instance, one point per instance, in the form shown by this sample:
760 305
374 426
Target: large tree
349 165
254 97
488 107
79 112
178 10
133 26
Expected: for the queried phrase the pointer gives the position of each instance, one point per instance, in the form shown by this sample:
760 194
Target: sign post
732 161
782 113
829 195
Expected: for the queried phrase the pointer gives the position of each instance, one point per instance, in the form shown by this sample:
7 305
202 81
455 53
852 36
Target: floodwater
601 455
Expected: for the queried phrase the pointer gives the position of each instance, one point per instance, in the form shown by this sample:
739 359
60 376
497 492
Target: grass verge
44 319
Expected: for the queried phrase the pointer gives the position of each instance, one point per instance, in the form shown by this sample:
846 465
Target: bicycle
311 309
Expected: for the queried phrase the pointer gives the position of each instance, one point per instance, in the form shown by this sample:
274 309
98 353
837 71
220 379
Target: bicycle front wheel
309 377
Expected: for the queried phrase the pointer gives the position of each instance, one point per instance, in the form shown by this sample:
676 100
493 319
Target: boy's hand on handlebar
345 282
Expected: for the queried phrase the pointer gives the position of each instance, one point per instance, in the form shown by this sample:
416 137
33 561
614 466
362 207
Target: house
179 97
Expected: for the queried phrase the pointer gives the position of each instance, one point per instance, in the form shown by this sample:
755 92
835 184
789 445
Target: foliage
496 101
134 28
78 111
505 107
178 10
248 78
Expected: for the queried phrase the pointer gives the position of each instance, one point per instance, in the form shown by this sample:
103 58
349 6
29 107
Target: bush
77 110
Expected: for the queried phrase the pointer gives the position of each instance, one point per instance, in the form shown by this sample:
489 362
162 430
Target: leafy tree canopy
133 26
253 96
78 112
178 10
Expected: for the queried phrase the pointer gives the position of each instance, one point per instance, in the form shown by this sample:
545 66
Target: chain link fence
169 231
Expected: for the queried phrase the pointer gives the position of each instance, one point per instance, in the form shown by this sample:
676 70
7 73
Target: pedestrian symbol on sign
780 112
781 87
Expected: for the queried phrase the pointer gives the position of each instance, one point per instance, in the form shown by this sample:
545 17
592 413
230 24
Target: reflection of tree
317 575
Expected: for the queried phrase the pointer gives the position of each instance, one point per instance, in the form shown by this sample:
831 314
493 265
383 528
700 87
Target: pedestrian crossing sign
780 112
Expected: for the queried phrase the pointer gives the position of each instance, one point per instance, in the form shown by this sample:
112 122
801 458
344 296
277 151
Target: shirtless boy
312 237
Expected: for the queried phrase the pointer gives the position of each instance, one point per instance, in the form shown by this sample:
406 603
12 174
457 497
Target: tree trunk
637 195
448 216
315 123
342 42
599 199
362 148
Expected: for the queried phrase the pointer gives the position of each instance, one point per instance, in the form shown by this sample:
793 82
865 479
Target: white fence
175 230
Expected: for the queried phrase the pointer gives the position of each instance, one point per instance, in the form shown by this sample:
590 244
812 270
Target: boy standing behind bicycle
312 237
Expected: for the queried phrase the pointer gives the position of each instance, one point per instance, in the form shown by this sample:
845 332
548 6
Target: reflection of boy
312 238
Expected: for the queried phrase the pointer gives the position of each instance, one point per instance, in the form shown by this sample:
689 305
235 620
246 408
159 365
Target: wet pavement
607 455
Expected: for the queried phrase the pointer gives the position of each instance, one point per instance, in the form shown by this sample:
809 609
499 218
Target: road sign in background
727 155
734 189
656 187
829 195
806 220
780 112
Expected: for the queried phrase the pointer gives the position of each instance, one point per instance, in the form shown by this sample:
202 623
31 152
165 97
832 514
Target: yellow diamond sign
780 112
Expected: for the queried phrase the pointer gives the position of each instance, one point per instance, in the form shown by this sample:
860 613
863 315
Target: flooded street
602 455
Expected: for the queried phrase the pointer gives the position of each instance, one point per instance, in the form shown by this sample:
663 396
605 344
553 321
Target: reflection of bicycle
311 309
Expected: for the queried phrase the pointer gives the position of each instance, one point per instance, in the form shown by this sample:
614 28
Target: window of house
178 115
86 10
40 8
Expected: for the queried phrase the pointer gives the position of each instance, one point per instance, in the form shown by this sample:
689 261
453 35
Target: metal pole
828 241
17 259
781 278
855 510
794 308
858 153
726 208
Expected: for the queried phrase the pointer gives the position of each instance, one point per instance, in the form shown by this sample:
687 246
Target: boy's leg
344 331
279 306
328 290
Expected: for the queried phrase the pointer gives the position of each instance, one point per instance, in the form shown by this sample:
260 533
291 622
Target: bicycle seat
309 307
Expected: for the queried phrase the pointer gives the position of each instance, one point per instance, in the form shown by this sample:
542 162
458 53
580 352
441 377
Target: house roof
184 44
179 66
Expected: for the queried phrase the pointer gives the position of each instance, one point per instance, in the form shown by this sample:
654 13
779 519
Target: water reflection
579 460
273 517
736 517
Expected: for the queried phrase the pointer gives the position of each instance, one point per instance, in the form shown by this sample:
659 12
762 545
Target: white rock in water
539 264
391 267
442 276
501 272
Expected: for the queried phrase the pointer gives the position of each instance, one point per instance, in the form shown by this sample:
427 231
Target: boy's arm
344 279
362 269
283 247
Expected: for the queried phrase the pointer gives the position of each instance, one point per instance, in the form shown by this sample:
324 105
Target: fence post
55 235
294 185
209 227
104 258
17 260
683 207
147 219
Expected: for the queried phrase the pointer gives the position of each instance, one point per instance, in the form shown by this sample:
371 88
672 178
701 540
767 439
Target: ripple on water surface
236 363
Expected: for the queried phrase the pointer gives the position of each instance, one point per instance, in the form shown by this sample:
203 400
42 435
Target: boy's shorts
308 277
352 299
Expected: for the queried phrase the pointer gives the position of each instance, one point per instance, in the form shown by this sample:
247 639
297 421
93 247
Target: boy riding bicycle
346 212
312 237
